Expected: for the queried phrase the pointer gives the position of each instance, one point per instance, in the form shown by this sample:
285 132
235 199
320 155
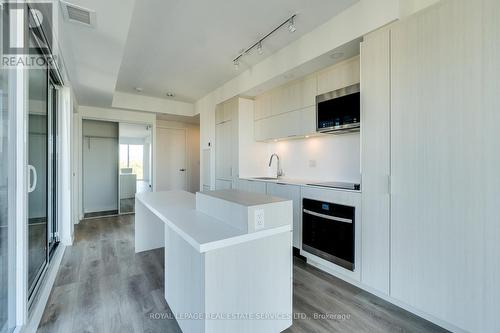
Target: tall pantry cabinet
431 88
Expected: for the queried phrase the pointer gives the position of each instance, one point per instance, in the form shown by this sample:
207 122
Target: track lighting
259 48
291 24
258 45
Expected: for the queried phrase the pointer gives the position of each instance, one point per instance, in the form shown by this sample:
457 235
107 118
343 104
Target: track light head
259 48
236 64
291 25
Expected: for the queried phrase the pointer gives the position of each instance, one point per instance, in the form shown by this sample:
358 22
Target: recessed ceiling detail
188 46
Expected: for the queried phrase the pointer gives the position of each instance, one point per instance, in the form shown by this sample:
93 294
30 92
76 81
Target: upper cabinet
289 111
293 96
339 76
263 106
226 111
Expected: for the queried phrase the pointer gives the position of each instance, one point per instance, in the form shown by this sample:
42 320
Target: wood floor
103 286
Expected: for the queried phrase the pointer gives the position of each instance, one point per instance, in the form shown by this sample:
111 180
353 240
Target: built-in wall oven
328 231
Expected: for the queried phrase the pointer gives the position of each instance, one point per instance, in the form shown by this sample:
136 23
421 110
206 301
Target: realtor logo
27 33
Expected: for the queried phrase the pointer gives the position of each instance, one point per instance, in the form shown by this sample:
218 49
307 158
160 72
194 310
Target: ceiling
180 46
187 46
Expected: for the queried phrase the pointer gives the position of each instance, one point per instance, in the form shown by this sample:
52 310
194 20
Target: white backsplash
323 158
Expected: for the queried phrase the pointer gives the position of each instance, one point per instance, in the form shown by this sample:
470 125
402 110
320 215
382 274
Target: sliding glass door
38 164
7 193
42 227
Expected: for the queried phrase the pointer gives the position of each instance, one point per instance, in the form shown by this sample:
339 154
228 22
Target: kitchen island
228 257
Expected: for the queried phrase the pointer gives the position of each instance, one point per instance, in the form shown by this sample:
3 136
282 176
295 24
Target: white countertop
298 182
244 198
177 209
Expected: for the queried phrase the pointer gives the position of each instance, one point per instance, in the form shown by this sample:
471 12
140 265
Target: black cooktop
339 185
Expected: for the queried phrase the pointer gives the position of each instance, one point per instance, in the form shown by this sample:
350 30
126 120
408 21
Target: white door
171 159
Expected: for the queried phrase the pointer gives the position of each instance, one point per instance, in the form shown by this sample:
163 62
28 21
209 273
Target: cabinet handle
182 169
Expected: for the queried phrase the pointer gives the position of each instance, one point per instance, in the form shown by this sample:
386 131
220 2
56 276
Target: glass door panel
51 175
7 194
38 133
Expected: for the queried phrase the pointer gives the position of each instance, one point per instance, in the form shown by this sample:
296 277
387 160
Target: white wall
193 150
337 158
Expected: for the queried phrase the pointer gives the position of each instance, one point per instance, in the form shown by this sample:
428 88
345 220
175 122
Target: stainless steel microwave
339 110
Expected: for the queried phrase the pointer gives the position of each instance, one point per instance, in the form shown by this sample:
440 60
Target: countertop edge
218 244
297 183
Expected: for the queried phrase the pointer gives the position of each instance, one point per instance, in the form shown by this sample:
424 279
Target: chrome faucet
279 172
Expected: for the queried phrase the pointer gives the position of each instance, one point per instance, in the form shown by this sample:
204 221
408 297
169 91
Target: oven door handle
328 217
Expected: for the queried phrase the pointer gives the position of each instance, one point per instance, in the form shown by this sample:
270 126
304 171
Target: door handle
182 169
31 186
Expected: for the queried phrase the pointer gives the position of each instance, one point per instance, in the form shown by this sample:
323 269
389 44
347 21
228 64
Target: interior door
171 159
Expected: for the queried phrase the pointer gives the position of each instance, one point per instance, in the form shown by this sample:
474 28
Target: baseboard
448 326
38 308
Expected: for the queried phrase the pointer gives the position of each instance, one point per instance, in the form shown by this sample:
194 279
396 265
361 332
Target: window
132 156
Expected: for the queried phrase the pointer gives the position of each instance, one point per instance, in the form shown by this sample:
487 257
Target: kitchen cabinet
339 76
291 192
223 184
226 111
262 106
445 126
289 111
375 159
251 186
224 151
293 96
288 125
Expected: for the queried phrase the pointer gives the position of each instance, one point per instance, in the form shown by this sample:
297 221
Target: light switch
259 219
312 163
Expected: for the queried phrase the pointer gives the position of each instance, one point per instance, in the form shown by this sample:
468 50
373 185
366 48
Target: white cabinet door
287 125
262 106
308 91
445 125
375 160
308 120
291 192
223 150
252 186
223 184
339 76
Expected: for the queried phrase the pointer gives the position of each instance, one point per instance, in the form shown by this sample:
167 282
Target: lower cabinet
291 192
221 184
251 186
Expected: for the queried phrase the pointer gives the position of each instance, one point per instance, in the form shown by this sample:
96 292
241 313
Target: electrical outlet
259 219
312 163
